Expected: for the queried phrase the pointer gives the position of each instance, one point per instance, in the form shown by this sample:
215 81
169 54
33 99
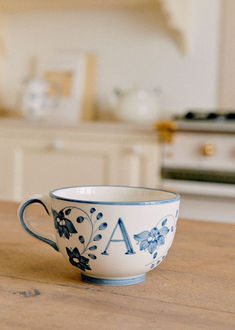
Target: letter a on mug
126 238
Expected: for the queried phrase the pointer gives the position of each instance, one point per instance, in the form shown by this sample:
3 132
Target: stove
214 116
198 161
216 121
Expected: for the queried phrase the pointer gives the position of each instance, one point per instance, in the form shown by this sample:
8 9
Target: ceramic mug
113 234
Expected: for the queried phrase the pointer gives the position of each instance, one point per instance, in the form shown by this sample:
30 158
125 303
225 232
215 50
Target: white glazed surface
112 194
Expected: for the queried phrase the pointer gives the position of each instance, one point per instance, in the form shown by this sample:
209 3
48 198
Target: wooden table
194 288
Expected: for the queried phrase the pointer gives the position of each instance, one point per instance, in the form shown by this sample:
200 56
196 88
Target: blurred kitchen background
134 92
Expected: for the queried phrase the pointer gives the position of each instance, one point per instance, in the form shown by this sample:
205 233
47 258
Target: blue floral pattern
63 225
66 228
150 240
76 259
80 256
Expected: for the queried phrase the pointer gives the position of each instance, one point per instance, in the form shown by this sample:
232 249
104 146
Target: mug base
113 281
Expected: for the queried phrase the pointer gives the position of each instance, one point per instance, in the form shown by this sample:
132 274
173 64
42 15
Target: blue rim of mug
148 202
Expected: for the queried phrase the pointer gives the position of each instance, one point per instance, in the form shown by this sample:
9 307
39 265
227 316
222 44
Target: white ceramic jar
137 106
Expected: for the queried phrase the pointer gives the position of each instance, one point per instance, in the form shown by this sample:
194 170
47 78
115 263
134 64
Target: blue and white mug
113 234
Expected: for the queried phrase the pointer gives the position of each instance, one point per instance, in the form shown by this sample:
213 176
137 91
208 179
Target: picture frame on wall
71 78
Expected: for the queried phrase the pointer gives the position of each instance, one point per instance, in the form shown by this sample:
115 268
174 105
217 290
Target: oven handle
200 188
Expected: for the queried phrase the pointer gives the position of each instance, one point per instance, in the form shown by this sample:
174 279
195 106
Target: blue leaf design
144 244
155 255
61 214
92 256
152 266
67 212
154 232
80 219
152 246
93 247
103 226
161 240
99 216
164 230
81 239
97 237
164 222
92 210
70 226
172 228
142 236
55 214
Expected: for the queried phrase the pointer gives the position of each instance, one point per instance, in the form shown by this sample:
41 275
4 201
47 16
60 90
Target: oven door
202 198
200 182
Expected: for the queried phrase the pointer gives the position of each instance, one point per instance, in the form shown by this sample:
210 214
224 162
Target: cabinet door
40 164
43 166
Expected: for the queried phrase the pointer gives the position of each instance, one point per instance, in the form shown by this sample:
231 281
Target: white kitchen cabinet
36 158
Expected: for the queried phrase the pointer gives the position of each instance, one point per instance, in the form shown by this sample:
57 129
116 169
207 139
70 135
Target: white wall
227 55
133 48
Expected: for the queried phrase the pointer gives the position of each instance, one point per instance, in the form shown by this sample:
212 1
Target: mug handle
44 200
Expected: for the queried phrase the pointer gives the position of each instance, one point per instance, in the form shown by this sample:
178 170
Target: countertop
102 125
194 288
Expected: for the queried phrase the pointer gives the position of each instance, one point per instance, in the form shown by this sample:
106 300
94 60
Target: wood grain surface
194 288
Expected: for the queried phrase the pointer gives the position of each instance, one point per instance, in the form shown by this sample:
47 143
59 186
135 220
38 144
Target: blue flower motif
151 240
77 259
63 225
